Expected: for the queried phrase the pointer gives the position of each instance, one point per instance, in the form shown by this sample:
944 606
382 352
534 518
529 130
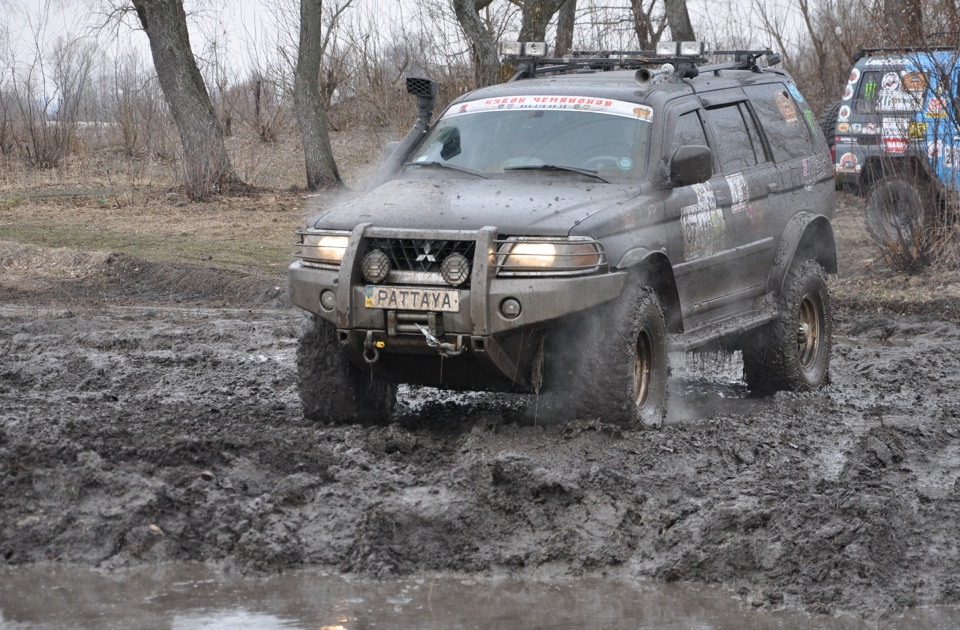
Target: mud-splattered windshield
575 136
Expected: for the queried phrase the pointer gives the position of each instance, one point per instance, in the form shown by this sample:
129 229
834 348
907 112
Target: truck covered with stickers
895 136
559 233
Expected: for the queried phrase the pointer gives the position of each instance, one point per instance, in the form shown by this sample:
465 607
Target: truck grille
408 254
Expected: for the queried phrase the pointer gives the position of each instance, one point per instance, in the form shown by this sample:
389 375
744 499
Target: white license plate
412 298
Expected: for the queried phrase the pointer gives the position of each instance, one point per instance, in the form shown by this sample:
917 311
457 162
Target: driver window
689 131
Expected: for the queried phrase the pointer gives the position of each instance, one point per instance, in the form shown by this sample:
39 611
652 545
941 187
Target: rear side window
783 121
734 144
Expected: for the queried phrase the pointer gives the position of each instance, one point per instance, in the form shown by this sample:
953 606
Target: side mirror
691 164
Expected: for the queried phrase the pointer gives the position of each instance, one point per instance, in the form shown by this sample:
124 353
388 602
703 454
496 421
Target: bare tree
317 152
207 166
566 21
904 22
535 17
681 29
484 47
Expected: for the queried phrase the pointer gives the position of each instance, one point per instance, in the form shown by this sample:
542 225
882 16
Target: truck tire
828 122
793 352
896 211
331 388
613 367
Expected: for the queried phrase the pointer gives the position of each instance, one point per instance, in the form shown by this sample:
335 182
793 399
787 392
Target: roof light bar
523 49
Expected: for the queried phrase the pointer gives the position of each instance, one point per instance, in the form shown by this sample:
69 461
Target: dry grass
116 205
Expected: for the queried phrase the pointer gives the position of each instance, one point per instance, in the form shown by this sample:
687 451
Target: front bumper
484 348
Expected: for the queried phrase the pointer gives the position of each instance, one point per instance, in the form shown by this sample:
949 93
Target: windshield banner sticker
574 103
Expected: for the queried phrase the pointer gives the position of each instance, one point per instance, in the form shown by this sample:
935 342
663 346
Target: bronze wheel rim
808 331
642 369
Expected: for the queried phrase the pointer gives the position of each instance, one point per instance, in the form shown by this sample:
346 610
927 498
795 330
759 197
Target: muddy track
132 435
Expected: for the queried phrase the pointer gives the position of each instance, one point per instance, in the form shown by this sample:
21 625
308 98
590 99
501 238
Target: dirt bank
155 424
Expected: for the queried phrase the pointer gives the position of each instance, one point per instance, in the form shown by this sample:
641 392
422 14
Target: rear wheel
896 209
331 388
793 352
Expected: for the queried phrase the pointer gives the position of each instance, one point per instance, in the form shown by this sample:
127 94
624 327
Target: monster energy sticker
870 90
704 227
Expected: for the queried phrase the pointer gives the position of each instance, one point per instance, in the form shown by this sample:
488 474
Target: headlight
325 247
549 256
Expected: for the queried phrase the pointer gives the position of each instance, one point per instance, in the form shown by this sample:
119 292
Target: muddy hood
543 206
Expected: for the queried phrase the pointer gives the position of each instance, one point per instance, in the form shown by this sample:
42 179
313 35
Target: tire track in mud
137 435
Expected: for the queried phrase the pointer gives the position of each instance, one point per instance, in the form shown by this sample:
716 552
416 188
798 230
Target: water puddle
195 596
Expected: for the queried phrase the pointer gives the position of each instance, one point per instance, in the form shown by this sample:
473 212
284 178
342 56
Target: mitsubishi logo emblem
426 255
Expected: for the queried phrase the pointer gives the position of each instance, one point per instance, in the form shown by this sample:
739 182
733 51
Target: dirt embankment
168 428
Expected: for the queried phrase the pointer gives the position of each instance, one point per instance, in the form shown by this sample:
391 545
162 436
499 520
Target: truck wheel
331 388
614 366
895 212
828 122
793 352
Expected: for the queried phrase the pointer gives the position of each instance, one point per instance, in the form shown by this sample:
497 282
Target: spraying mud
156 425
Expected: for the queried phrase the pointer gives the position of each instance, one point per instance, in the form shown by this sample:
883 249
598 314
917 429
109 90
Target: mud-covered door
699 221
802 160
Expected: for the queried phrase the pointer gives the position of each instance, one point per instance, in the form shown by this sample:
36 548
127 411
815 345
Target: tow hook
370 349
445 349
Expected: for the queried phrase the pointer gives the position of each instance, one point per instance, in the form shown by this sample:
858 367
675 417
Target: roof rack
866 52
672 67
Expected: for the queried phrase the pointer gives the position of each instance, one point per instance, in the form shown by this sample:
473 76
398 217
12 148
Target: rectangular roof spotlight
535 49
692 49
667 49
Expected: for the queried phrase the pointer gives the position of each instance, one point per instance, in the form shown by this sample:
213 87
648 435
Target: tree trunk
317 153
206 165
565 23
486 62
535 17
681 30
641 25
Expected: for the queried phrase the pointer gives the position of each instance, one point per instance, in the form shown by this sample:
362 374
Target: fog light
376 266
328 300
510 308
455 269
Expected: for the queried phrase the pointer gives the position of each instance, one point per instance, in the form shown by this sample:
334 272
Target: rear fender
807 235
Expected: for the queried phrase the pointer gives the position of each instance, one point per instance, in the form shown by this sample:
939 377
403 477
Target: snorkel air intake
425 91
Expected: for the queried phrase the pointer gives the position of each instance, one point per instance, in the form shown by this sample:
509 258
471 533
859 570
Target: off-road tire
331 388
613 367
896 214
793 352
828 121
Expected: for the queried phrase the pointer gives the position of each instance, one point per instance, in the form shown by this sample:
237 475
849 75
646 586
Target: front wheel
331 388
618 371
793 352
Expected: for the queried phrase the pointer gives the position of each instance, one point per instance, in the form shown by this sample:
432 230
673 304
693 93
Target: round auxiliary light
510 308
328 300
455 269
375 267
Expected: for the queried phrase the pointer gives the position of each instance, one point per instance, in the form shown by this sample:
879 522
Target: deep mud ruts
137 435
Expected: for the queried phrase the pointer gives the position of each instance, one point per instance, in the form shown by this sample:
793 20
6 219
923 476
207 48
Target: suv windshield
566 135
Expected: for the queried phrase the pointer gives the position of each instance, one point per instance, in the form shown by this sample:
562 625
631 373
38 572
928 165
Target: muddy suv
561 232
894 136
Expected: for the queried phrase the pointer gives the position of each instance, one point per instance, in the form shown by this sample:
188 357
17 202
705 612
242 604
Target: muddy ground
143 420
